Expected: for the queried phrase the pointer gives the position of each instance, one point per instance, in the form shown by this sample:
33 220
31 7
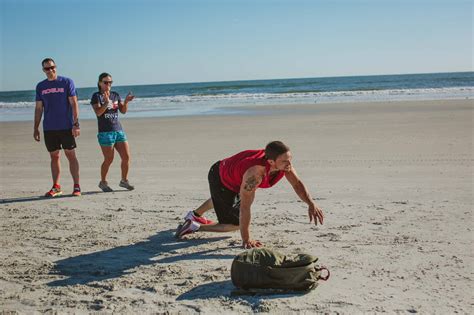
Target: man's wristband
76 124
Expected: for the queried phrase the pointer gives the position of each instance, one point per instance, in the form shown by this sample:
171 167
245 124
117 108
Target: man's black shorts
59 139
226 202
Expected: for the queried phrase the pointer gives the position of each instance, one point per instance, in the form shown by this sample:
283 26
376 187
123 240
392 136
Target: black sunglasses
49 68
108 82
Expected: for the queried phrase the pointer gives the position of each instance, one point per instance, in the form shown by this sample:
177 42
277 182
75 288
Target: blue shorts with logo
109 138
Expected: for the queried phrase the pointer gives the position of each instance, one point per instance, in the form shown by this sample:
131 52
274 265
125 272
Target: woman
106 104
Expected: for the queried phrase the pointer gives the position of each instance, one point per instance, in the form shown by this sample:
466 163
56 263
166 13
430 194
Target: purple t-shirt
57 110
108 121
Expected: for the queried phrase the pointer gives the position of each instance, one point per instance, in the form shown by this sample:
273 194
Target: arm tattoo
250 183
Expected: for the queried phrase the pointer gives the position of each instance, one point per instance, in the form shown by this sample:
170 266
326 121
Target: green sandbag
264 268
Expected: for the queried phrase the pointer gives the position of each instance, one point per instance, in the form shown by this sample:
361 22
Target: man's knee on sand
220 227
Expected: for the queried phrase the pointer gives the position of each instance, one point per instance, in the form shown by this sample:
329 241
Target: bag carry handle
327 276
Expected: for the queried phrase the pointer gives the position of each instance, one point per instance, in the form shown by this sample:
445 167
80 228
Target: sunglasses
49 68
108 82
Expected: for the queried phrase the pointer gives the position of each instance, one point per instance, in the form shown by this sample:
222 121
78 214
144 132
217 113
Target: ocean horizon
224 97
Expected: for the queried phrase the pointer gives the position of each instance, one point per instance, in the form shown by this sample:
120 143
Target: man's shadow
115 262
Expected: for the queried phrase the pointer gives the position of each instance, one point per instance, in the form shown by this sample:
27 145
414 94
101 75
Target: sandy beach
394 180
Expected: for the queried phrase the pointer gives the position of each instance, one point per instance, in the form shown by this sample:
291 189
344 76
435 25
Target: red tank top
232 169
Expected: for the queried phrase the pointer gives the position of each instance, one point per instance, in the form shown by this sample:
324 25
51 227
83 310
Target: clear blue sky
146 42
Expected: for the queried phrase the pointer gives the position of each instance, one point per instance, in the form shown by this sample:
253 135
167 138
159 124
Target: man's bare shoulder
256 170
252 178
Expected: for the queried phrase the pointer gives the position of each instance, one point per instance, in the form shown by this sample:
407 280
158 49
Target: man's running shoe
105 187
201 220
126 184
187 228
77 191
54 192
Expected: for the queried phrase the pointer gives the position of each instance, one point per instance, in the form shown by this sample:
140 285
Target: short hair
101 76
274 149
45 60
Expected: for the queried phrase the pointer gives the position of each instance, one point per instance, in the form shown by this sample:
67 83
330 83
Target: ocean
232 97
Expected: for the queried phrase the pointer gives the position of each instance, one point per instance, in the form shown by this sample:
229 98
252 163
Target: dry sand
394 180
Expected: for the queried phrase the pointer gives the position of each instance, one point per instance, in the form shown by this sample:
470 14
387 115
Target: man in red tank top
233 182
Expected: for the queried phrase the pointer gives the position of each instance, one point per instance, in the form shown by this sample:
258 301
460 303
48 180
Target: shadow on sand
226 289
115 262
43 198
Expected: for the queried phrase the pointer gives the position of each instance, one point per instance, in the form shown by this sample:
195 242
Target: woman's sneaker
105 187
54 192
201 220
126 184
187 228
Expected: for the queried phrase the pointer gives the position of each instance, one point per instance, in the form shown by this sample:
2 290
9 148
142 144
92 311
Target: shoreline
228 110
283 109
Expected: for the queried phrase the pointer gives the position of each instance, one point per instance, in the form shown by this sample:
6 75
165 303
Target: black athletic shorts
226 202
59 139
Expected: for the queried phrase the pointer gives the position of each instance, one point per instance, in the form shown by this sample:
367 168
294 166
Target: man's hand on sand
315 213
251 244
36 135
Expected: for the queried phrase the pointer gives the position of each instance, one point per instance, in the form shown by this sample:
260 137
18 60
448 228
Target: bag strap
327 276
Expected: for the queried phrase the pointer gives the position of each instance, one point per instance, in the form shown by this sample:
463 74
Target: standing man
233 183
56 98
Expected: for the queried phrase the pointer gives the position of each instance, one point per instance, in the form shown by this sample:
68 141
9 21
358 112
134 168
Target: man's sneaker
105 187
201 220
187 228
126 184
54 192
77 191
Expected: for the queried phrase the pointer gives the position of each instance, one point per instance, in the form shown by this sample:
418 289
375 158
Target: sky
177 41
